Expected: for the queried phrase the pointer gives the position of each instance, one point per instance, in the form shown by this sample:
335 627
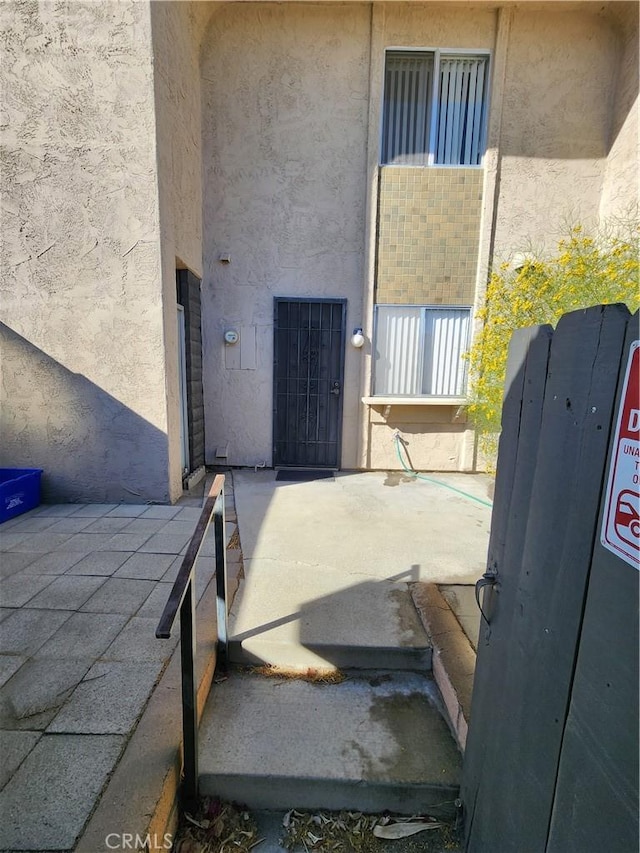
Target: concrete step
375 742
305 616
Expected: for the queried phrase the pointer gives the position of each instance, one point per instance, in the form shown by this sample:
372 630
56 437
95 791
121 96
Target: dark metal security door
308 376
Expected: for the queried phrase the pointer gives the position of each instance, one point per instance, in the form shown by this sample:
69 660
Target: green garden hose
415 474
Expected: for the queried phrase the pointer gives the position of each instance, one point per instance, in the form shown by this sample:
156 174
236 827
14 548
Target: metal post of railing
182 598
221 577
189 698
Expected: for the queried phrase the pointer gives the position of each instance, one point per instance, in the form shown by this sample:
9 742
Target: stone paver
137 642
102 563
107 524
69 524
90 632
94 510
43 542
67 592
119 595
86 542
154 605
81 594
14 748
56 563
22 587
26 630
13 562
9 664
48 800
126 541
9 539
58 510
165 512
109 699
162 543
128 511
35 694
145 525
32 524
145 566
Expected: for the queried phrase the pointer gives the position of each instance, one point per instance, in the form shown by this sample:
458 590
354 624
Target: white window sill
414 401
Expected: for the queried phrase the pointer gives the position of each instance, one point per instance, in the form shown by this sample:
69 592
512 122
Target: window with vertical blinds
419 350
435 108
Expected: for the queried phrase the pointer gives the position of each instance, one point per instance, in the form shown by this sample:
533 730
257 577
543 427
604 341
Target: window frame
424 308
434 104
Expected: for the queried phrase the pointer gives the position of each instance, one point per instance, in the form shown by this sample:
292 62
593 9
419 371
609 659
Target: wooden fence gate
551 763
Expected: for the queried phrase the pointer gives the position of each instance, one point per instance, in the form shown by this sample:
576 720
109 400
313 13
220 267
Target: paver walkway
82 588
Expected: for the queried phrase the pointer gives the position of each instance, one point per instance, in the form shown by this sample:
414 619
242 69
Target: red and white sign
621 522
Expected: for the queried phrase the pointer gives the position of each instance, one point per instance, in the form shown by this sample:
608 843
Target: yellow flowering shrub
586 270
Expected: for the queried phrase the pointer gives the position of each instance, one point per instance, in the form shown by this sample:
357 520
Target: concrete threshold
375 742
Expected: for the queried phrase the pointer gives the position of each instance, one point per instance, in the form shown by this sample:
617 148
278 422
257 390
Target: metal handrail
182 598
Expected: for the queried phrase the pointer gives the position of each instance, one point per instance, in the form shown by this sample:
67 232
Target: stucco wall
83 373
176 28
560 79
285 101
621 190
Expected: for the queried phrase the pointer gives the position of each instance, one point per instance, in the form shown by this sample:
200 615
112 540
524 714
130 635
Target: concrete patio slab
366 528
319 616
108 700
48 800
144 525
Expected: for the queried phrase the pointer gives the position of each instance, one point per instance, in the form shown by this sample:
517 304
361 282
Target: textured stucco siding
285 102
83 378
560 79
176 28
621 189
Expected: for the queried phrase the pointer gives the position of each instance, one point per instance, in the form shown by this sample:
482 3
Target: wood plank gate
551 763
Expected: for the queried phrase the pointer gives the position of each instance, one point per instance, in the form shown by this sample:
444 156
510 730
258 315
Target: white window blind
461 108
419 350
408 87
445 127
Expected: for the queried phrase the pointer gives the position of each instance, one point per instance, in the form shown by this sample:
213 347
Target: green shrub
586 270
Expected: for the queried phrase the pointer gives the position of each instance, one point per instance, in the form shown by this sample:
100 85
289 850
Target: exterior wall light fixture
357 338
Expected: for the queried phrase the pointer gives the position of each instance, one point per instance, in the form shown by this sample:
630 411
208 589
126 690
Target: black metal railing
182 598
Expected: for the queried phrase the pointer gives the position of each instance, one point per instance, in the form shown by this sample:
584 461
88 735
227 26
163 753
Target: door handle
336 388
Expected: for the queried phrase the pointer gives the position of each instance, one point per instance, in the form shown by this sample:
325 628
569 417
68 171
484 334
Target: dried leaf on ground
315 676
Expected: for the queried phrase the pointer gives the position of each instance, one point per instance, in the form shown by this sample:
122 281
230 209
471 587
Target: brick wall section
428 235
